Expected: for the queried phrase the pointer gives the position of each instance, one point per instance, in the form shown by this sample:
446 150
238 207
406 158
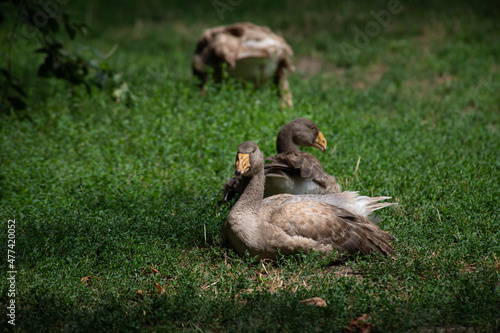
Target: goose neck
284 142
250 200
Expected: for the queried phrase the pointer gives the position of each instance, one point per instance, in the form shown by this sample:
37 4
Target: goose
252 53
287 224
292 170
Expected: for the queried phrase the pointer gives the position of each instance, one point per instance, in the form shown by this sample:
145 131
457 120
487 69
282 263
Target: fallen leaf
141 294
317 301
87 280
159 289
360 324
150 270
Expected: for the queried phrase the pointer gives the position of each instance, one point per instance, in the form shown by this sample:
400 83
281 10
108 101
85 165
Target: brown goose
292 171
252 53
287 224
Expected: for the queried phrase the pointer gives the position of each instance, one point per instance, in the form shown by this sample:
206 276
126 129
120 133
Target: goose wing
348 200
328 226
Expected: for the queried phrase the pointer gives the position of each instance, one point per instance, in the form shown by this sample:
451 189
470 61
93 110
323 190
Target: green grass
97 188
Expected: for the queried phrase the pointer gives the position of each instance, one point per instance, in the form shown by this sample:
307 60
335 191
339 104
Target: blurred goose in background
252 53
287 224
292 170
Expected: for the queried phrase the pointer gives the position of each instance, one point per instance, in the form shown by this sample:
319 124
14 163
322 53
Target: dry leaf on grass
150 270
141 294
159 289
87 280
317 301
360 324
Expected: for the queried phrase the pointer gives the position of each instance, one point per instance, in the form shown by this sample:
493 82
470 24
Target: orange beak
320 142
242 164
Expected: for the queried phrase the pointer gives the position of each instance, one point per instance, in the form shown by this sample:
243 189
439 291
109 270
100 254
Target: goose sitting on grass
252 53
287 224
292 170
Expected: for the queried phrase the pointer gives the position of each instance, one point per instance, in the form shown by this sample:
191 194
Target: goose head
300 132
249 160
